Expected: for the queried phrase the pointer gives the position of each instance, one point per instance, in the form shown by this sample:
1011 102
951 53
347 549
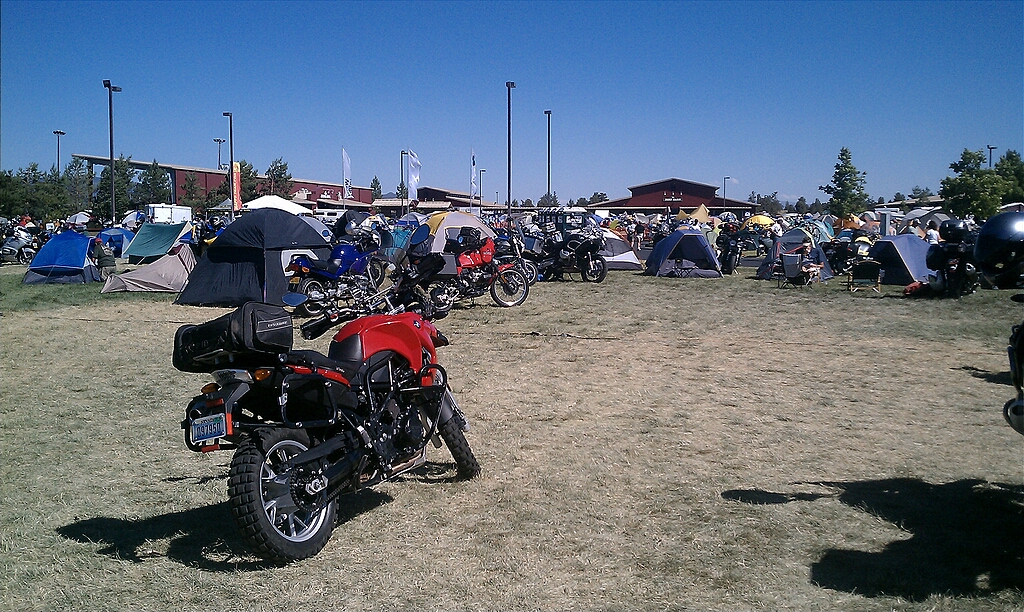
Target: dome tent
63 259
683 253
247 261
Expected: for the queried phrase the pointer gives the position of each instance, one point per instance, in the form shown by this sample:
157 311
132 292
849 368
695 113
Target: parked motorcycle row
20 244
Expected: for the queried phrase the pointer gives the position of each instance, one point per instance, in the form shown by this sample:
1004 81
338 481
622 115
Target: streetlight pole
231 160
510 86
219 142
481 173
548 113
58 134
110 108
401 184
990 148
724 179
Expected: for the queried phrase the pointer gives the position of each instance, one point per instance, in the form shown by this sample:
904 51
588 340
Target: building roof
670 182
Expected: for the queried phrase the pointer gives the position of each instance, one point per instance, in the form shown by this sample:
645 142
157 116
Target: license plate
209 427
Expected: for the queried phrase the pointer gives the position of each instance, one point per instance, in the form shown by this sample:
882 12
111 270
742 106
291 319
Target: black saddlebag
254 334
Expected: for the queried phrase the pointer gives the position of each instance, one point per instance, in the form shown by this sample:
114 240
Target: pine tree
846 188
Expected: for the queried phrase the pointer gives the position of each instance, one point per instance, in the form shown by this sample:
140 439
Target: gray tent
169 273
902 258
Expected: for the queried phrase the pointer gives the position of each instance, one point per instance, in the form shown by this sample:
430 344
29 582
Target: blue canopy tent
153 241
117 238
902 258
683 253
63 259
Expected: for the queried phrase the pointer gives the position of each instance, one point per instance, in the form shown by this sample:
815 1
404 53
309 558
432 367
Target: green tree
766 204
13 195
124 179
401 192
817 206
802 206
279 180
78 183
528 203
975 190
154 186
1011 168
919 195
846 188
548 200
899 197
598 197
192 193
375 187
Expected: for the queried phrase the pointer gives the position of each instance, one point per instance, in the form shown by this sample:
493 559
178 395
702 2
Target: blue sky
764 92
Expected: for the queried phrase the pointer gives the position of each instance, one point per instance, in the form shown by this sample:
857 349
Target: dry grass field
647 444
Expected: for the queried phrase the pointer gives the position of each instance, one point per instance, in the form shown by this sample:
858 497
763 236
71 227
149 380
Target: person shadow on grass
967 538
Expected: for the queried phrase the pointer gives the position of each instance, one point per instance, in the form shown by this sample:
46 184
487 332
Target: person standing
104 257
932 234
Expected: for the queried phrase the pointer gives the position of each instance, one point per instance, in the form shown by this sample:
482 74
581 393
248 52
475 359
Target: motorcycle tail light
210 388
262 374
305 270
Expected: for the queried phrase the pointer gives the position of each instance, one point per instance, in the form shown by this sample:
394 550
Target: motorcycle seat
328 266
313 358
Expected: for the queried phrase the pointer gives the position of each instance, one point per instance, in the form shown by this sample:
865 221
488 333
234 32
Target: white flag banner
472 175
346 174
414 174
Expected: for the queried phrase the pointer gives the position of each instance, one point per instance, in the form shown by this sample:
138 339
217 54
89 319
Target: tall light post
231 159
990 148
110 108
724 179
548 113
58 133
481 181
401 184
219 142
510 86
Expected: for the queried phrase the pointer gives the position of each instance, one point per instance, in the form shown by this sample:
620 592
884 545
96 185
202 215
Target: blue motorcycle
355 269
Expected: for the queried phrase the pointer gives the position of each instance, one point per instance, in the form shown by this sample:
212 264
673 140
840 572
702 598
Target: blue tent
117 238
63 259
683 253
902 258
153 241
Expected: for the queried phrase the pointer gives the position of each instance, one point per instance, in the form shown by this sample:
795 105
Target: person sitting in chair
811 260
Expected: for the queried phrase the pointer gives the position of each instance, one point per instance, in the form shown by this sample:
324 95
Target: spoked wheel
24 258
530 271
273 523
509 288
596 271
443 299
314 306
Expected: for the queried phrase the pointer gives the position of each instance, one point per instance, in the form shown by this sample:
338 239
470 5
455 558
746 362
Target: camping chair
865 274
792 274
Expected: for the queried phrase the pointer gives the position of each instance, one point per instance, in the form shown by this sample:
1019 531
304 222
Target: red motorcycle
307 428
477 272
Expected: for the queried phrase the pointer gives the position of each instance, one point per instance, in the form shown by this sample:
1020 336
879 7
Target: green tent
153 241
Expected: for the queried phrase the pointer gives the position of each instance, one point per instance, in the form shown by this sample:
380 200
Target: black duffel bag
253 334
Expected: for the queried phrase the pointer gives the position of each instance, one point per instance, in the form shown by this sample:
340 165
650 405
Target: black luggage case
254 334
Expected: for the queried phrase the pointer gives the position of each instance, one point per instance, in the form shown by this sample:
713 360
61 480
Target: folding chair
793 275
865 274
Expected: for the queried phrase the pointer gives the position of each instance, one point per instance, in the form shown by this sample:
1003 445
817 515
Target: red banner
236 187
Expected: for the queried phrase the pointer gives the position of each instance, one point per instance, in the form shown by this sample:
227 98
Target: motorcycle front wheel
272 523
509 288
24 258
596 271
529 269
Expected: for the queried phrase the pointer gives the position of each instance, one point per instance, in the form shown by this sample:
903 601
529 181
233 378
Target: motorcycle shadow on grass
967 537
205 537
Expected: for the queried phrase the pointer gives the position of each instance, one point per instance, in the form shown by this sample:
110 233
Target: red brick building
672 194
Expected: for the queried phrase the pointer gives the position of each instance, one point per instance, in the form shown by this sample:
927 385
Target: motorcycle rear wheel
509 288
24 258
530 271
455 440
443 301
311 306
597 271
261 501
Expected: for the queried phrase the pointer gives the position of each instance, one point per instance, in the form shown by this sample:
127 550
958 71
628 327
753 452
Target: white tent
273 201
618 253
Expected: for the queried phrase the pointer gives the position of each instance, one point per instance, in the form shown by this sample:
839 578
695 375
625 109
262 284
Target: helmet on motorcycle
999 250
953 230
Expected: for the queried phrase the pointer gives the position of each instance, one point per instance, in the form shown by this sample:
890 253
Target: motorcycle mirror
420 235
294 299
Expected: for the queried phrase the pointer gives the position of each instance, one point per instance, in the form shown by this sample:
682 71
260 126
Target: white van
167 213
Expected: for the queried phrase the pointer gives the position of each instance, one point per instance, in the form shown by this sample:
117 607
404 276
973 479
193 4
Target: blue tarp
152 242
63 259
902 258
